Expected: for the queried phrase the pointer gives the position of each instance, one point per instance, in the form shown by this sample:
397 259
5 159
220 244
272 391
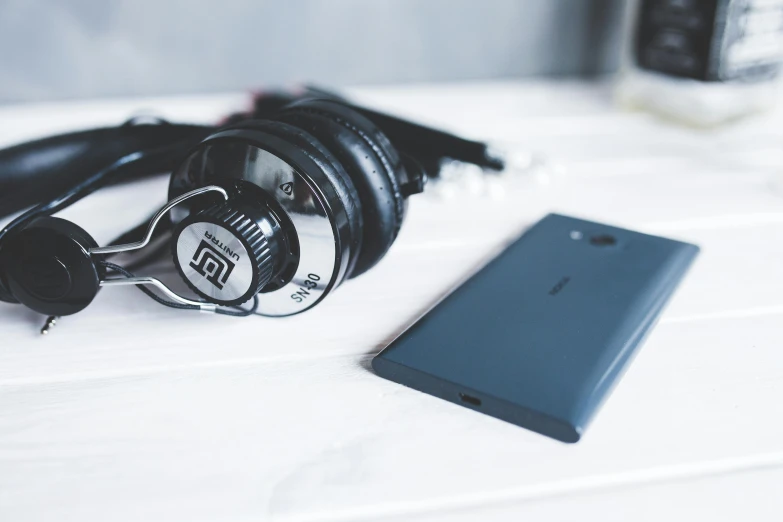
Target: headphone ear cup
371 162
49 269
332 169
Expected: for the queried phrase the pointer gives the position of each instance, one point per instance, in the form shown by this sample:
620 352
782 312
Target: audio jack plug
51 321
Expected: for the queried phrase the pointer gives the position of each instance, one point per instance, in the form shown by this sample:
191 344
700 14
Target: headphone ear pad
49 269
370 161
332 169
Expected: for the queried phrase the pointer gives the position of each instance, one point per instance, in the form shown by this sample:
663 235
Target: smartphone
541 334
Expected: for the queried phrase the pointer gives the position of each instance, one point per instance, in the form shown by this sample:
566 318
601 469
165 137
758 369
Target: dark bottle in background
703 61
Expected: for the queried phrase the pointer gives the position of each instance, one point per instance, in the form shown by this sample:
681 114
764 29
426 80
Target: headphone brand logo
212 264
221 246
288 188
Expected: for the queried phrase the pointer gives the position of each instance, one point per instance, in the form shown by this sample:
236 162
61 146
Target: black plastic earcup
48 267
331 167
370 161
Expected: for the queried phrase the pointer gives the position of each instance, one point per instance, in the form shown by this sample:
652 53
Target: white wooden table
134 412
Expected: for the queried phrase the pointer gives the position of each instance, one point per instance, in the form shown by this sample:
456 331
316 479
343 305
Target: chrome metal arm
146 280
114 249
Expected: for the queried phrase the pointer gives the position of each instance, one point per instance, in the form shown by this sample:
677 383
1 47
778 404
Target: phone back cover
540 336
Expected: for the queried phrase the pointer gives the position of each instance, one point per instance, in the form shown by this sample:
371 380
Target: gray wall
51 49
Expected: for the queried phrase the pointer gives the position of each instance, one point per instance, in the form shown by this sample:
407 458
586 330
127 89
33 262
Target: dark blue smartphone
543 332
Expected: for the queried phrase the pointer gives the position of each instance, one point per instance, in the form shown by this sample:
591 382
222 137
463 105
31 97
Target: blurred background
62 49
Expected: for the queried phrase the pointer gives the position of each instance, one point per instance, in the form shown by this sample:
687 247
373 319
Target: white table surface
133 412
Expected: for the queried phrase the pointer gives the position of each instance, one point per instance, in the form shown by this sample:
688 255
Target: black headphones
277 211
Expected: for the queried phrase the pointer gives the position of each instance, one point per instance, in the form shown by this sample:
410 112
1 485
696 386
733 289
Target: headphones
275 209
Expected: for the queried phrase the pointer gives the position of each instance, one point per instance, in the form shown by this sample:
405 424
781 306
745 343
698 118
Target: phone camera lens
603 240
